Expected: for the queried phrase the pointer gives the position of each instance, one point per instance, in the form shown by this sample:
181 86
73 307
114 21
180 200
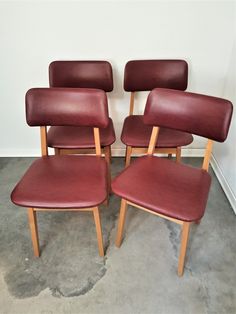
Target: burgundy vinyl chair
68 182
161 186
81 74
145 75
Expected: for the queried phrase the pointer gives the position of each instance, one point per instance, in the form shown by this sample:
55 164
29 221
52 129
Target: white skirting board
116 152
186 152
224 183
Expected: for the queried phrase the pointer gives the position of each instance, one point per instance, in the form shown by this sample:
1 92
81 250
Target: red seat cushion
165 187
63 182
137 134
72 137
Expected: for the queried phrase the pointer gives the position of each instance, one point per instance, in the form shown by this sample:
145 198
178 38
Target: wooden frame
32 212
32 216
143 150
185 225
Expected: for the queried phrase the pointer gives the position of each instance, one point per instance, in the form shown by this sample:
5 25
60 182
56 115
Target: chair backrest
81 74
202 115
145 75
67 107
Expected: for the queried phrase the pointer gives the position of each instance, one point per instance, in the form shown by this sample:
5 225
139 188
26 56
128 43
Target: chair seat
165 187
137 134
70 137
63 182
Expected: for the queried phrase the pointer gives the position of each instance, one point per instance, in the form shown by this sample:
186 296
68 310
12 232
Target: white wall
34 33
224 156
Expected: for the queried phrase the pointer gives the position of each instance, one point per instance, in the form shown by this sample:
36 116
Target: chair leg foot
178 154
123 209
128 155
34 230
183 246
98 230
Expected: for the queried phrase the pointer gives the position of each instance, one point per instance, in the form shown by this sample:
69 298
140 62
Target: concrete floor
140 277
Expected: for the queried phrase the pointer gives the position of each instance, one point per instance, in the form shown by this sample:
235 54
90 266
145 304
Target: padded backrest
194 113
81 74
66 107
145 75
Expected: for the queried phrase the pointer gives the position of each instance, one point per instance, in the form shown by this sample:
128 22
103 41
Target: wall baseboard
116 152
224 183
186 152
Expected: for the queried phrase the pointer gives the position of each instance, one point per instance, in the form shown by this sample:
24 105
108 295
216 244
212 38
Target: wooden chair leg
169 156
34 230
128 155
183 248
123 209
107 157
98 230
57 151
178 154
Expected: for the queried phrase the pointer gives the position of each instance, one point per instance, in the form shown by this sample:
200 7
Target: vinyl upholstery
202 115
136 133
72 137
144 75
81 74
63 182
165 187
66 107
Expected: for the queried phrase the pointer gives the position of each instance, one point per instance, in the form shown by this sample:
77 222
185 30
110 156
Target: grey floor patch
140 277
69 263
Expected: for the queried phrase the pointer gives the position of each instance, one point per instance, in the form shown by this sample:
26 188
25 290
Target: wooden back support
44 147
153 140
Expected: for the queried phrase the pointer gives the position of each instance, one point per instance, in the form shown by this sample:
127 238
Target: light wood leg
123 209
178 154
34 230
57 151
107 157
98 230
183 248
128 155
169 156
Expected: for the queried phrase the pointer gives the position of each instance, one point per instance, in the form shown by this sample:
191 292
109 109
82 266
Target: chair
68 182
163 187
145 75
81 74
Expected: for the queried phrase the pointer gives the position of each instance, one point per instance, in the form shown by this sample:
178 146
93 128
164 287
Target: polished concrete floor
140 277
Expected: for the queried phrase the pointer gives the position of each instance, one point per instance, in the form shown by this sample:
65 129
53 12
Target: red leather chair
69 182
145 75
81 74
162 187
